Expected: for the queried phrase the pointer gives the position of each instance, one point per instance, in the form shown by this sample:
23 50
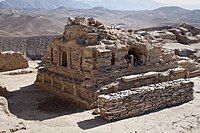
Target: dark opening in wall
113 59
95 60
64 59
81 63
134 57
52 55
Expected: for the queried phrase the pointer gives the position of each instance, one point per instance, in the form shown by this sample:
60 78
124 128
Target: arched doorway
64 59
135 57
52 55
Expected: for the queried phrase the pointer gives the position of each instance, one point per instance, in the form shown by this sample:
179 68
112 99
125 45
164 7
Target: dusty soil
37 111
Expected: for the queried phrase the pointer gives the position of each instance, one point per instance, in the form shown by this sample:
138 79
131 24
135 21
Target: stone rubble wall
12 61
35 47
138 101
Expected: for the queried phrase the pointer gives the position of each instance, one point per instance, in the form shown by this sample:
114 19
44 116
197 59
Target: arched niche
137 55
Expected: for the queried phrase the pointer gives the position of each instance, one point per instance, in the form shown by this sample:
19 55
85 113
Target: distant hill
23 22
124 4
25 25
82 4
42 4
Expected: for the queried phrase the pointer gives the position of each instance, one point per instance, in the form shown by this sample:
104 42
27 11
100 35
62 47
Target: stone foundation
86 97
138 101
12 61
144 79
66 89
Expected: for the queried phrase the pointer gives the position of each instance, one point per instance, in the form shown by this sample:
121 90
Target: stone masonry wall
35 47
66 88
144 79
12 61
145 99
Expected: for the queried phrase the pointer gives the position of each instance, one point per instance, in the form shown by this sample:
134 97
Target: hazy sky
183 3
179 1
191 4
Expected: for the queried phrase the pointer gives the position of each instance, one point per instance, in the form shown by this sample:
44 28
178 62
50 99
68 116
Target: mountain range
42 4
37 22
82 4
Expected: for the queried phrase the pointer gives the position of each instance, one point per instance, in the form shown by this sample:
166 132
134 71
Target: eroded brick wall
35 47
12 61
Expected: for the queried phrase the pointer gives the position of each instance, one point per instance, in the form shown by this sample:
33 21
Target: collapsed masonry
91 59
11 61
182 33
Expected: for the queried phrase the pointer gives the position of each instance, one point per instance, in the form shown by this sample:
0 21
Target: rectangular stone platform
143 79
138 101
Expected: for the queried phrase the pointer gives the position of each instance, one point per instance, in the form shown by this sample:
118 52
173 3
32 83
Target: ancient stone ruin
12 60
145 99
91 60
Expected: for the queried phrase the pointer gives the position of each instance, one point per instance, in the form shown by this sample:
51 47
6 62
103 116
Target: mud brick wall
12 61
138 101
35 47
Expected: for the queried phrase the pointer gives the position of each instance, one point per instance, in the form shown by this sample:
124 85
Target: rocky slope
81 4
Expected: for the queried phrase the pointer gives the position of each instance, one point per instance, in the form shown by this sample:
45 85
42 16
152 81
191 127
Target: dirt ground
40 112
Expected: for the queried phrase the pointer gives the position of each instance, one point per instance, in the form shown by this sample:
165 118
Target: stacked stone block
138 101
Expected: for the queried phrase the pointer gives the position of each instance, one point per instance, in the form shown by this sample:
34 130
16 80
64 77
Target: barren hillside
23 22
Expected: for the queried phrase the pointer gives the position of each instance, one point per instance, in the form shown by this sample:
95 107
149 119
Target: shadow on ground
99 121
92 123
30 103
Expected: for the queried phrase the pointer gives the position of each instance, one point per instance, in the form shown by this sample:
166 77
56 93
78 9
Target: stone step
144 79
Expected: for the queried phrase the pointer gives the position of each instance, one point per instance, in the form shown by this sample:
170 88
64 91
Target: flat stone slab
139 76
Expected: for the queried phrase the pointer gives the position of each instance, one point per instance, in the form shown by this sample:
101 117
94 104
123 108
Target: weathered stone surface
12 61
34 47
190 28
4 106
133 81
138 101
183 38
90 55
182 33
